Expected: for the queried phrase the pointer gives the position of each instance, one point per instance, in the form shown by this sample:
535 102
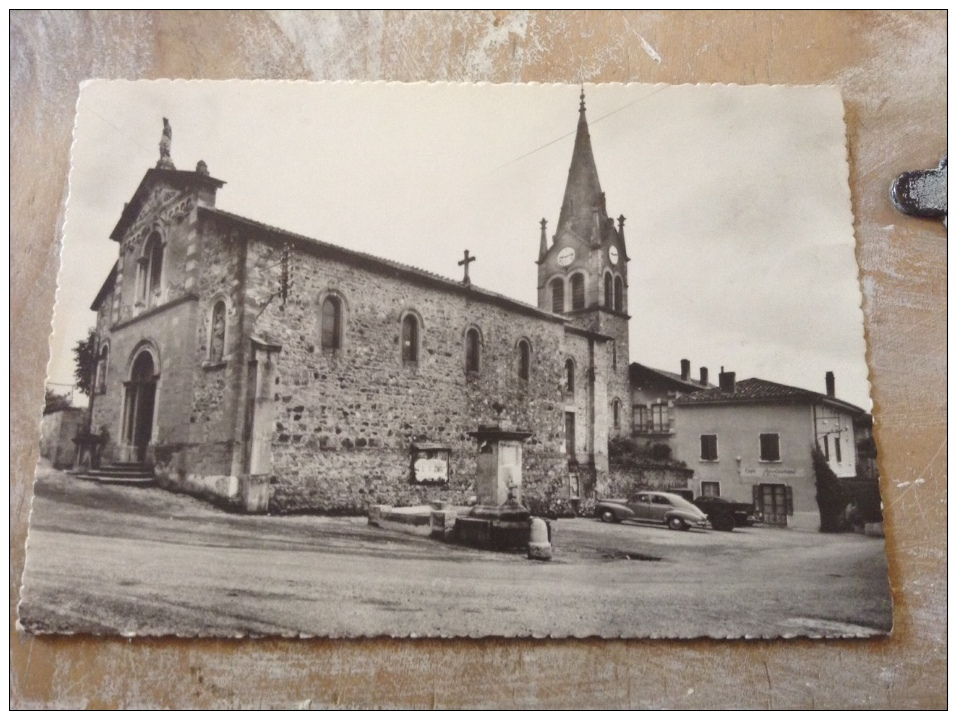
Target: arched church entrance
139 405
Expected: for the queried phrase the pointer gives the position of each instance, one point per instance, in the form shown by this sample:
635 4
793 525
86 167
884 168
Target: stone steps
120 473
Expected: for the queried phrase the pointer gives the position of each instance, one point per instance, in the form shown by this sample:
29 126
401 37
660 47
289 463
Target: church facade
269 371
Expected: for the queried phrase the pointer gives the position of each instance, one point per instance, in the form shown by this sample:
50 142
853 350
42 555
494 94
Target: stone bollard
377 513
442 523
539 547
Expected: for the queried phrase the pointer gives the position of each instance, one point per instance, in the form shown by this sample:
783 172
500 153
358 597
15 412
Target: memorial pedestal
498 520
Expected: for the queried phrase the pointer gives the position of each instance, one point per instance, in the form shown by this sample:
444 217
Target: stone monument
498 520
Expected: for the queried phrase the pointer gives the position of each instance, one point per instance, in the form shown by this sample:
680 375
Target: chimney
829 383
726 382
704 375
685 369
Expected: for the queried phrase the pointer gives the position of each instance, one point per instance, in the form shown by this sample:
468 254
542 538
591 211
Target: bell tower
583 273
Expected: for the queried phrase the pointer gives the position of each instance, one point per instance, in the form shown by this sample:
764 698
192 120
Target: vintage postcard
349 359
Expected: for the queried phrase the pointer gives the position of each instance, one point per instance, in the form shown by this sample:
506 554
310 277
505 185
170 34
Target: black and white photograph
457 360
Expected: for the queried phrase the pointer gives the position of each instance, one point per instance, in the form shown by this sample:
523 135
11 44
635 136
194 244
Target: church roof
756 390
176 178
384 266
583 195
107 287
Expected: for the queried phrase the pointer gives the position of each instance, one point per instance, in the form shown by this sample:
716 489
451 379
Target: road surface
113 560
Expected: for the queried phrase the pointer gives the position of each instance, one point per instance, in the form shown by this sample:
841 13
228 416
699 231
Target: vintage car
725 514
652 507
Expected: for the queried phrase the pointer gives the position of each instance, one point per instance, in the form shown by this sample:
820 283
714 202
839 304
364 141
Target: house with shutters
751 440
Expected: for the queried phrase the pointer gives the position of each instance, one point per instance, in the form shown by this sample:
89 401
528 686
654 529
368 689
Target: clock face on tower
613 254
566 257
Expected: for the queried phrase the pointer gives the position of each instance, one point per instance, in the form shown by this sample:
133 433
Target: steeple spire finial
581 104
543 242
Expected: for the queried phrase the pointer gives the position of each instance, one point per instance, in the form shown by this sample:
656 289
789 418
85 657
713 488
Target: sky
739 224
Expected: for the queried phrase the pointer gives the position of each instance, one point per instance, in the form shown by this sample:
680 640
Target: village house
752 441
269 371
653 393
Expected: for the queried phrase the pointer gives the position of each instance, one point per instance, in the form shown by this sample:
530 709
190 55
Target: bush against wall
832 500
634 466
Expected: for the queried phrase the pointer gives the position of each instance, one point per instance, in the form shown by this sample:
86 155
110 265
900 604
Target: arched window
150 270
473 346
614 355
102 365
217 332
619 294
578 291
331 327
524 360
156 264
616 413
609 293
558 296
569 376
410 339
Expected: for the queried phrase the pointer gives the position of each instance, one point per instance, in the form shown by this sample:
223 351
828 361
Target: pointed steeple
583 209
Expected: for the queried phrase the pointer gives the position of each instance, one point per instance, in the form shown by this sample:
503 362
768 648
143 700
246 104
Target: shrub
832 500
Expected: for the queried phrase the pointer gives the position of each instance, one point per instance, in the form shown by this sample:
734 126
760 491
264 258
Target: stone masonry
245 403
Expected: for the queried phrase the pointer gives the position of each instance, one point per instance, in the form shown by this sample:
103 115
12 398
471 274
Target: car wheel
608 517
676 524
722 523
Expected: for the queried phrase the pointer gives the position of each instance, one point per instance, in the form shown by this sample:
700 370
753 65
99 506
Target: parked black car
724 515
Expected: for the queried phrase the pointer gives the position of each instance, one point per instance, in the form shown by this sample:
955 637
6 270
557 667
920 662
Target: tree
56 402
84 355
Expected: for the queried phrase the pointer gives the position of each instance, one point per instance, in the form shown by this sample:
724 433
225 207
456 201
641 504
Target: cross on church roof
465 263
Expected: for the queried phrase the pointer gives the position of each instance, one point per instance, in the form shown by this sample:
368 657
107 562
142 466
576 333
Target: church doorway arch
139 404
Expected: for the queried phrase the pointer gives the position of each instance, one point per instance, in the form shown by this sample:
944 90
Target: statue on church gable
166 142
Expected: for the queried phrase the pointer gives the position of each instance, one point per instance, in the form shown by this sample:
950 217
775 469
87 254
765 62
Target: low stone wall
350 481
623 481
57 430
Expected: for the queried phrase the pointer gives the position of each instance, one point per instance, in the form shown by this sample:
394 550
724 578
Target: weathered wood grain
891 68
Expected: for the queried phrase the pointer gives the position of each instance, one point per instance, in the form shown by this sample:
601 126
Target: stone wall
345 419
165 324
579 401
170 212
618 359
623 481
57 430
169 332
216 406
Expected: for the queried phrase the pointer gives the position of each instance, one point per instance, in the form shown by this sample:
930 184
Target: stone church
269 371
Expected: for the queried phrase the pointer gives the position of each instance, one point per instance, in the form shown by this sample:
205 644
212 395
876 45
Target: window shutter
789 500
578 291
558 296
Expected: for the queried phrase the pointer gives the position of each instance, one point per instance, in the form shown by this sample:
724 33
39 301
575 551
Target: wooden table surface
891 68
